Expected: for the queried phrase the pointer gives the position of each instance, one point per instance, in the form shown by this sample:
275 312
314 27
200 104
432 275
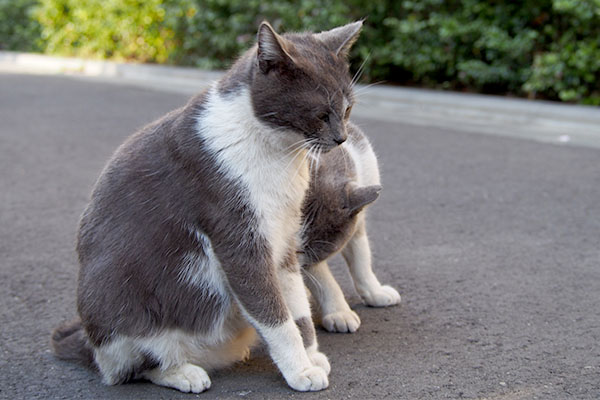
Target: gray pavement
493 242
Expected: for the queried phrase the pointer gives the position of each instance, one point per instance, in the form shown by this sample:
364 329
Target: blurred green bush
535 48
19 29
118 29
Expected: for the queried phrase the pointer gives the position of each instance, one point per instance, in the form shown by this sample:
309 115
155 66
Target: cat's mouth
324 147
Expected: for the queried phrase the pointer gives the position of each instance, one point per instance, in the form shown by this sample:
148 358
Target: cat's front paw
320 360
311 379
382 296
341 321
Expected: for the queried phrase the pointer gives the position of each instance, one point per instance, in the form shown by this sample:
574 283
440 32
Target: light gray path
493 243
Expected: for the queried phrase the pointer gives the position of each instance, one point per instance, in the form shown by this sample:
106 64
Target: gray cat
188 246
345 181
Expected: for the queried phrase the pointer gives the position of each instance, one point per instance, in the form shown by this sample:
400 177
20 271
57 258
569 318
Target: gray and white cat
345 181
188 246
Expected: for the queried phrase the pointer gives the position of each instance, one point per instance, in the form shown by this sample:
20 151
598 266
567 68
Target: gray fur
295 89
341 39
333 202
70 342
307 330
162 184
162 179
302 86
238 76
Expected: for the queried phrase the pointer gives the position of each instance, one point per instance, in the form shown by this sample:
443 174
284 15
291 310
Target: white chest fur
261 158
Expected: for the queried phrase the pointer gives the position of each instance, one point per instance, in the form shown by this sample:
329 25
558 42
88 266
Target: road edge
518 118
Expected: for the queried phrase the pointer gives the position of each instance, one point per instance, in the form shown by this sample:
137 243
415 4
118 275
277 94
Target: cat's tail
70 342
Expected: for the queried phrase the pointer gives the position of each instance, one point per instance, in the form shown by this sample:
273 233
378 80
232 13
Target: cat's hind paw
310 380
383 296
341 321
185 378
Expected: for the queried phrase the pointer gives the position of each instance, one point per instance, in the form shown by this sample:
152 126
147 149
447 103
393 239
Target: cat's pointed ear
341 39
359 197
271 48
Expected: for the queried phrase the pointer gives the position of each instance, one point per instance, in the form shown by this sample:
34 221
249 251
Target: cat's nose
339 139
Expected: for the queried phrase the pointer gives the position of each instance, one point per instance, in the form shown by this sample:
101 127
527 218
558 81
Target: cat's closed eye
324 116
347 112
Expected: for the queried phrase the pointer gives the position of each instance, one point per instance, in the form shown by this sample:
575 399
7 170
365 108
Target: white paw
341 321
320 360
311 379
185 378
382 296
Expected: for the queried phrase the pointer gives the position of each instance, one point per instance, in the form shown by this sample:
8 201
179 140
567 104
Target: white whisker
298 152
365 89
317 159
360 71
315 281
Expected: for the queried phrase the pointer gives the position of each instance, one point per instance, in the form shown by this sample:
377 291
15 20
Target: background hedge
534 48
19 29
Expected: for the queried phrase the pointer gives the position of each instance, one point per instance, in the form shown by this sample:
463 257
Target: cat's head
330 218
303 84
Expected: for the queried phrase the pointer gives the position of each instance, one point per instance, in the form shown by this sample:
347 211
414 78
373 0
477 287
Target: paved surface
494 244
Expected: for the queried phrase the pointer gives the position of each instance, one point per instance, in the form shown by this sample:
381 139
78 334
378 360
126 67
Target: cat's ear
341 39
359 197
272 48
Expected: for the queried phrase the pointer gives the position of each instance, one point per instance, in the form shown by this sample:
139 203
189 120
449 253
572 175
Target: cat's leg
357 254
161 358
117 359
336 315
294 292
259 292
125 358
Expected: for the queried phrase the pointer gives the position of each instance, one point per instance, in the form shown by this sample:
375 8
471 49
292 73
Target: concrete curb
535 120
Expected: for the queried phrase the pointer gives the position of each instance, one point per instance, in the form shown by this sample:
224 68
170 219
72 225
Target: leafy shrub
569 66
211 33
535 48
545 48
18 29
119 29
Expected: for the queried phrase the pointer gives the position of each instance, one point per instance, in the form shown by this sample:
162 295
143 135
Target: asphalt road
494 244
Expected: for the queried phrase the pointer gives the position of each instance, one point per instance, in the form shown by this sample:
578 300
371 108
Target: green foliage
487 46
119 29
18 29
211 33
569 68
535 48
